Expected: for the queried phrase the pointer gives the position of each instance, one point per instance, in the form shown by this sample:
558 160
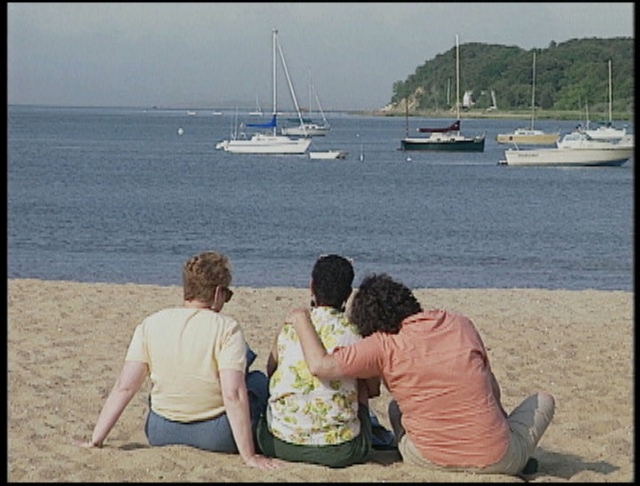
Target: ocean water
119 195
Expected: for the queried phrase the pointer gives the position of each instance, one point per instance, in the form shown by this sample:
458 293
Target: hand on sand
87 444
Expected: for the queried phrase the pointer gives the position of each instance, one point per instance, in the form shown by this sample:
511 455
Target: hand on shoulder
298 315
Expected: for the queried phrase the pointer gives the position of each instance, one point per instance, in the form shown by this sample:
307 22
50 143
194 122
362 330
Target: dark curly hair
332 279
381 304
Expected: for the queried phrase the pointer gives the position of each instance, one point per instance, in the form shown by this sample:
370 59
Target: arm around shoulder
320 363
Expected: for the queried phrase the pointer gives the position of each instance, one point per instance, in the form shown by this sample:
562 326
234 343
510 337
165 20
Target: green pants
355 451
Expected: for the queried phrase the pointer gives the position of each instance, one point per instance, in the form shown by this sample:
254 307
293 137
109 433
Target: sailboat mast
586 112
310 102
291 90
273 80
610 97
406 117
324 117
457 81
533 91
449 93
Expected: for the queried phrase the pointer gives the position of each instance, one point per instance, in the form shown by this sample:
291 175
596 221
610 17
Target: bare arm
236 404
127 385
320 363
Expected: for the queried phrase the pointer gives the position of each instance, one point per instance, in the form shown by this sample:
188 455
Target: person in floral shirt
307 419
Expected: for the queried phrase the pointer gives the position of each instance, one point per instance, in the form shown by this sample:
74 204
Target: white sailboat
607 132
269 142
576 149
530 136
308 128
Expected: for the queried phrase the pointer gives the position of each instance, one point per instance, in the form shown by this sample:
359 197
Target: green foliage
569 76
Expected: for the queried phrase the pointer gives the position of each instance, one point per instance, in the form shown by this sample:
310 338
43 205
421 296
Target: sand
66 343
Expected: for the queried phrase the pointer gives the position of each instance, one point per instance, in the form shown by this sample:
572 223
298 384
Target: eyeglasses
228 293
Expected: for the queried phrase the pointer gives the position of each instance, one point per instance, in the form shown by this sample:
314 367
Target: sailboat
530 136
308 128
607 132
269 142
446 139
576 149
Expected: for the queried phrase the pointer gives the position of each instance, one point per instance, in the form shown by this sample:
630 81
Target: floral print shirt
303 409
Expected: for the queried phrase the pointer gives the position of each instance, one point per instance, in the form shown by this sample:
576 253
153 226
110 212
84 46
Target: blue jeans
213 435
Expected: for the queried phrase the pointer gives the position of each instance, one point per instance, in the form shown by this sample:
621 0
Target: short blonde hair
202 273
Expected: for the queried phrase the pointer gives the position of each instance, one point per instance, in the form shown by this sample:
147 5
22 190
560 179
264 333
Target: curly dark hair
332 280
381 304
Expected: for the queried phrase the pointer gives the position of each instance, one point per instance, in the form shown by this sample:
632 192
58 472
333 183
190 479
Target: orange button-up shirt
438 371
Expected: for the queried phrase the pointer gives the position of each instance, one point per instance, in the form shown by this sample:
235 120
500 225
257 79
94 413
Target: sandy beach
67 340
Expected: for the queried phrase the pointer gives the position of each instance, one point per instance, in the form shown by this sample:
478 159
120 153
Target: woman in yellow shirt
196 357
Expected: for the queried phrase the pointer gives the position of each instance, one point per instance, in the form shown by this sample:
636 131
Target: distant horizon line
381 112
183 108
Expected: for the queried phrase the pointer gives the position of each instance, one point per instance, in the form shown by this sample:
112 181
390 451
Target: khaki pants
527 423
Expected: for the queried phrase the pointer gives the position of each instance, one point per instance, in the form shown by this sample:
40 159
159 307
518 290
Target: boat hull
267 145
328 155
611 157
475 144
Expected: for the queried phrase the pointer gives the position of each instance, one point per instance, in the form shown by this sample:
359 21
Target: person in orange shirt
446 411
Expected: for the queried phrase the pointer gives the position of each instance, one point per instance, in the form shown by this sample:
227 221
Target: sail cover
270 124
454 127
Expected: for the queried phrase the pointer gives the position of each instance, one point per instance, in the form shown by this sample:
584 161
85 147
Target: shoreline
502 115
67 340
525 115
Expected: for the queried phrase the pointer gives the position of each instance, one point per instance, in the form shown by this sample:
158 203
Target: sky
219 55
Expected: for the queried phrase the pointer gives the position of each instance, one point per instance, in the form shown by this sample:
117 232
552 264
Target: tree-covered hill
572 76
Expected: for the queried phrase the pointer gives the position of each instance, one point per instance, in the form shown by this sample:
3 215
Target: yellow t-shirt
185 349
